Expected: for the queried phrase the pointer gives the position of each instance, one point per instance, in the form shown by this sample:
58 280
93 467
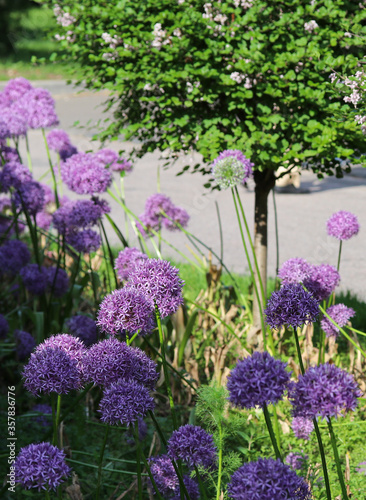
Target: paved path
302 217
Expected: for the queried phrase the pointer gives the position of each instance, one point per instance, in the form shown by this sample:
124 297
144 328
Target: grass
30 33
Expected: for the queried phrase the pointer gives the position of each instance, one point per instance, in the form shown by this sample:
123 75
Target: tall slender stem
147 466
201 485
271 433
339 255
58 414
337 461
219 472
101 462
299 355
323 459
138 460
51 168
29 158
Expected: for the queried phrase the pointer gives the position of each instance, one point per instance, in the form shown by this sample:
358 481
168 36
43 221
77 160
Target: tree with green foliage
251 75
7 7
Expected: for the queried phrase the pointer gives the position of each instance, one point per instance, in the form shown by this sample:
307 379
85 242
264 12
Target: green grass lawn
31 34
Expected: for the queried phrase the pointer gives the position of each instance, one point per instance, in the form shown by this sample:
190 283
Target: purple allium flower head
84 213
71 345
34 278
15 122
257 380
155 207
176 216
302 427
30 196
84 174
4 131
41 466
84 241
296 460
14 255
13 174
167 481
57 139
42 419
343 225
341 314
102 204
322 281
267 479
67 151
193 445
16 88
291 305
231 168
294 271
44 220
51 369
324 391
126 311
84 328
4 326
58 281
127 260
25 344
61 216
38 107
109 360
110 158
159 281
9 154
124 401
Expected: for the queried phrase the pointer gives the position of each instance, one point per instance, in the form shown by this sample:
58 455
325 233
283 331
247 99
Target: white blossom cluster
160 37
215 16
311 26
110 40
69 37
244 4
63 18
240 78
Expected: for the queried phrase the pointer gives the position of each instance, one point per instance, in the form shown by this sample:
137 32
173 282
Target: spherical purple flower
4 131
325 391
15 122
44 220
84 241
110 158
167 481
51 369
41 466
126 311
109 360
124 401
61 217
257 380
291 305
67 151
294 271
176 216
302 427
341 314
30 196
193 445
57 139
191 487
343 225
38 107
4 327
34 278
14 255
71 345
84 328
16 88
42 419
25 344
159 281
322 281
9 154
84 213
84 174
156 206
102 204
295 460
13 174
127 260
231 168
267 479
57 280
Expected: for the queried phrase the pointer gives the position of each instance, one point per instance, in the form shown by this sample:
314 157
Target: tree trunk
264 183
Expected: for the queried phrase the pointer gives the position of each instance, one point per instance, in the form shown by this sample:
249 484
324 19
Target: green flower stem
47 495
277 427
101 462
219 471
147 466
58 414
339 255
201 485
271 433
130 340
337 461
165 367
51 168
109 252
323 459
107 469
251 271
299 355
138 460
356 331
29 158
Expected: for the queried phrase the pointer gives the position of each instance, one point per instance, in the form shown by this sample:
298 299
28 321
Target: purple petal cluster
267 479
193 445
110 158
126 312
51 369
167 481
343 225
41 466
42 419
294 271
159 209
291 305
35 278
295 460
4 326
25 344
124 401
159 281
38 107
257 380
8 153
57 139
15 89
322 281
57 281
324 391
127 260
84 241
341 314
84 328
13 174
72 346
15 122
191 487
30 196
44 220
14 255
302 427
231 168
84 174
109 360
